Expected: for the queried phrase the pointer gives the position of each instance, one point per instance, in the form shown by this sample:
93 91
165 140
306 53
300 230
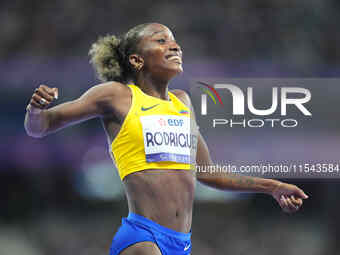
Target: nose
175 47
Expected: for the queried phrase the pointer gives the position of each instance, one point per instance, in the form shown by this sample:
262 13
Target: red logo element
162 122
213 90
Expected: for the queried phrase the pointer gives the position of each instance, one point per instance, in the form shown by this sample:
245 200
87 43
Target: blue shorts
136 228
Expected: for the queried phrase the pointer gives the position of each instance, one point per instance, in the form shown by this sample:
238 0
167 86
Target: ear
136 61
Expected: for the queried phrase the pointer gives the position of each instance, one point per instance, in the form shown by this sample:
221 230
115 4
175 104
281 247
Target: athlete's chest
162 130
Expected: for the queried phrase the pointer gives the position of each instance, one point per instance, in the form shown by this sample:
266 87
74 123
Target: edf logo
171 122
175 122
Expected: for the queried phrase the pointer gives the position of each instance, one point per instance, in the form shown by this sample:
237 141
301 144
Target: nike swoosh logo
187 247
148 108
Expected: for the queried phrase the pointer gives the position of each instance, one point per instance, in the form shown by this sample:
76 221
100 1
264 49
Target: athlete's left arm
287 195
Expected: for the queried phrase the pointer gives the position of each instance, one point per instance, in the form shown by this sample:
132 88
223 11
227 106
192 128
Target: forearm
36 123
236 182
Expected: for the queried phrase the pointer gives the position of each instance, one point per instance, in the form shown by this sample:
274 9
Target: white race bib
167 138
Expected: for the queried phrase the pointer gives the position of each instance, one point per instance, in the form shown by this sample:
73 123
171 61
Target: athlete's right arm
40 121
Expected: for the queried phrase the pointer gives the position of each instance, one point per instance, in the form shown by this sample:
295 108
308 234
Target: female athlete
150 139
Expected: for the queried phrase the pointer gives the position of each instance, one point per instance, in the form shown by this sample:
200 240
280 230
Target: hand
289 197
41 98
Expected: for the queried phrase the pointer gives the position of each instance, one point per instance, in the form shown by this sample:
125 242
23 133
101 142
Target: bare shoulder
109 90
185 98
106 97
182 95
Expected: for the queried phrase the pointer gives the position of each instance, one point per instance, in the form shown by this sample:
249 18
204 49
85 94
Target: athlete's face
161 54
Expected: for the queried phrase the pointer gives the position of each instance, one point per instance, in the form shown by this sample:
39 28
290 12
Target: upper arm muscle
91 104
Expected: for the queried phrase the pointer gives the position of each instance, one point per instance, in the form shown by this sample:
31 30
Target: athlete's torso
156 134
163 195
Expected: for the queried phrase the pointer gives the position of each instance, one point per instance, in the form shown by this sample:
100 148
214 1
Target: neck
154 87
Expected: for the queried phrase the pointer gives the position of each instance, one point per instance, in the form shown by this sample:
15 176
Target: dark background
61 194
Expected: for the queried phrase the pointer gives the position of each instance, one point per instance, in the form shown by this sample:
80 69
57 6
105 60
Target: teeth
174 57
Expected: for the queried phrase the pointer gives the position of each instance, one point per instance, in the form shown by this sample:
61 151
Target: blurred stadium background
61 194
